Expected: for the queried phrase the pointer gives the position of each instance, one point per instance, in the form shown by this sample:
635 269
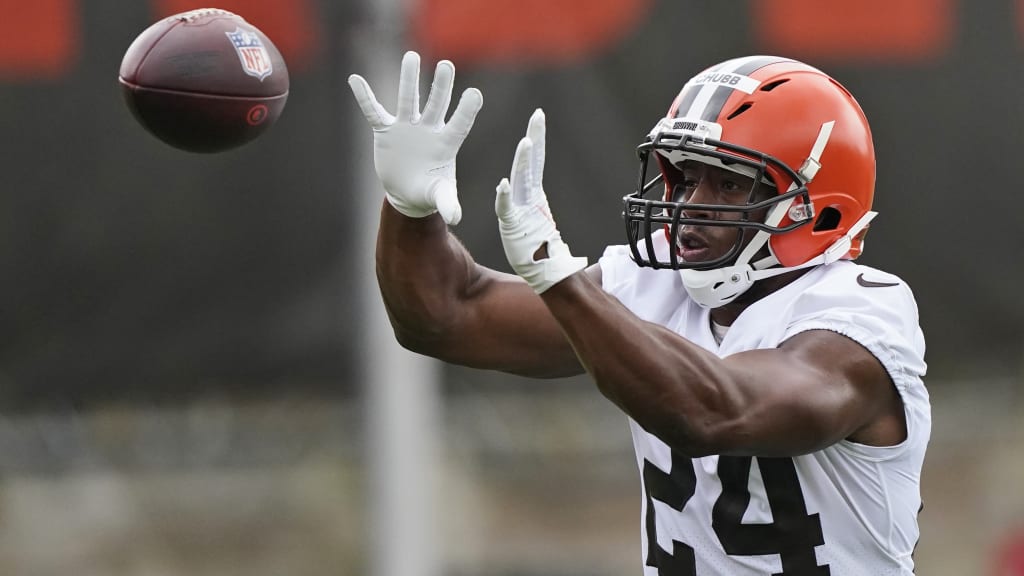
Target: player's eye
730 185
684 190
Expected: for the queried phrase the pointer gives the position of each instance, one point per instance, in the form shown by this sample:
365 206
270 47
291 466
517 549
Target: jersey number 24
793 533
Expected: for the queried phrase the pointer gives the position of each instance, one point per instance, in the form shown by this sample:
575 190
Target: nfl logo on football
251 52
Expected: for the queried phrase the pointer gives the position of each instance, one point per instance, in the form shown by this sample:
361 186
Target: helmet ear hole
827 220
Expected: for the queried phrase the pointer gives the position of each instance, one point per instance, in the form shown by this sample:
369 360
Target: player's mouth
692 247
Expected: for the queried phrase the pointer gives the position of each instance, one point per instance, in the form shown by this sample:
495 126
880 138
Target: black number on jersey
675 489
793 533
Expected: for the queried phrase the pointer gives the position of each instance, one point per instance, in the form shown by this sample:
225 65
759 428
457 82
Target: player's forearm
422 271
671 387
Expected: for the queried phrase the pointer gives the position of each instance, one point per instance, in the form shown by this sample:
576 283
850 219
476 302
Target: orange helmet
782 123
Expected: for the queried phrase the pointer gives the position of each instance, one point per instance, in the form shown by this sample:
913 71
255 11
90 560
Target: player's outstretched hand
413 152
533 245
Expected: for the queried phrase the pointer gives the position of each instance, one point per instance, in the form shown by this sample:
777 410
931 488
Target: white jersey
847 510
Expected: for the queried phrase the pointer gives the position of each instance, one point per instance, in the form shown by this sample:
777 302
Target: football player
773 386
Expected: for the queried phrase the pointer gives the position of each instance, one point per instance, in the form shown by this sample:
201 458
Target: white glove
524 218
414 154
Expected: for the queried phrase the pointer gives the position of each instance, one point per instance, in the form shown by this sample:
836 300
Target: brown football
204 81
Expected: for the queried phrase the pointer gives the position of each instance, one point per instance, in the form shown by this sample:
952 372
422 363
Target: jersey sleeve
881 315
621 275
614 263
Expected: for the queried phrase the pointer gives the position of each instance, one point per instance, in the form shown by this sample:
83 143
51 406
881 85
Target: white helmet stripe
708 99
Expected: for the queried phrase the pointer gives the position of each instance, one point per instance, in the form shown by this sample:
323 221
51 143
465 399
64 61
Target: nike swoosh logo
870 284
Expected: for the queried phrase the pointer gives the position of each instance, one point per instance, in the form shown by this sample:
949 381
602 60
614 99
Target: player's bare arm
443 304
440 302
818 388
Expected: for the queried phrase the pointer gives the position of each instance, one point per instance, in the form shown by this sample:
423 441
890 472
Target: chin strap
714 288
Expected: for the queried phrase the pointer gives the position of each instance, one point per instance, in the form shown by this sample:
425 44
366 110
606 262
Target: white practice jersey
847 510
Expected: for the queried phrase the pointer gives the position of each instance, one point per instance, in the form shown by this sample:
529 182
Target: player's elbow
418 340
419 325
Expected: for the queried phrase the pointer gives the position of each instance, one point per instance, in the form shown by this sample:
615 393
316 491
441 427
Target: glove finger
440 94
446 198
375 114
521 172
537 133
409 88
464 116
503 200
